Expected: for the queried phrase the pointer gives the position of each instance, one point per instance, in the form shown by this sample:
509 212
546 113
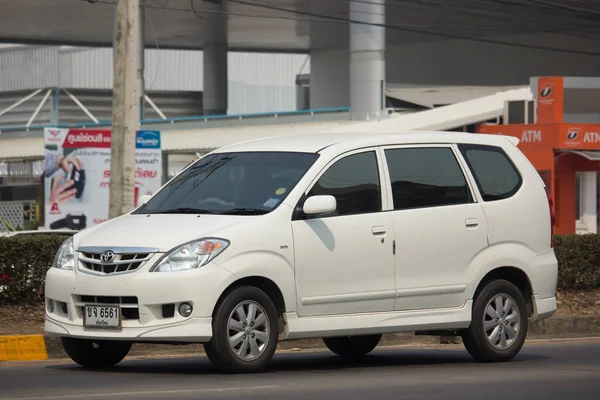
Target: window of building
426 177
354 182
497 177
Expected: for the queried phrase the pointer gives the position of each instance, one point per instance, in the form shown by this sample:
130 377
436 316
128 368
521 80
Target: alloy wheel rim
248 330
501 321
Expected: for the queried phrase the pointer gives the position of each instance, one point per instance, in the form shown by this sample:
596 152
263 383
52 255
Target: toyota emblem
107 256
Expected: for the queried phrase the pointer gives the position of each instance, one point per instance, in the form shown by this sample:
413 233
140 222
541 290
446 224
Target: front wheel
245 331
352 346
95 353
499 323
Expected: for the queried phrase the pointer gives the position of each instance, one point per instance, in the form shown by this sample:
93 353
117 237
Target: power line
192 5
577 10
511 17
325 18
328 18
406 29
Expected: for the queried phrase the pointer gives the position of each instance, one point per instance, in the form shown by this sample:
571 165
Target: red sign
83 138
550 100
580 136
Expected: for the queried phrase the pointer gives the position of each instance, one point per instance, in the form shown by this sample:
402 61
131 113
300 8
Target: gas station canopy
294 25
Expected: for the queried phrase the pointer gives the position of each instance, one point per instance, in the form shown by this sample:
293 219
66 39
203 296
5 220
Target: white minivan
342 237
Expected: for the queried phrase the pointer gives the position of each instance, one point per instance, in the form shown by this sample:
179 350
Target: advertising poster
77 174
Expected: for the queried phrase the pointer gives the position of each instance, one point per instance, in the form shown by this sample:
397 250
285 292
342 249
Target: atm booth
562 141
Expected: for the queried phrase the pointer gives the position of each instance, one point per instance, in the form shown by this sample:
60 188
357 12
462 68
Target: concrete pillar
367 60
589 200
214 97
565 202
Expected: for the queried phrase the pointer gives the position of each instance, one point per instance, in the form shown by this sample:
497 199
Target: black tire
95 353
475 338
218 350
352 346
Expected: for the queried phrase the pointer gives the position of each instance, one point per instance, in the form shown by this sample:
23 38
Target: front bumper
141 295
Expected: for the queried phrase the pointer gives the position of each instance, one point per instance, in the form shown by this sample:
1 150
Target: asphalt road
565 370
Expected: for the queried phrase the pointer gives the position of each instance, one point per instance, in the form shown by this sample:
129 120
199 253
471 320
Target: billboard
77 174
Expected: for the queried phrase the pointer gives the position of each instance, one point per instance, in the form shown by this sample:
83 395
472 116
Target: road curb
23 348
43 347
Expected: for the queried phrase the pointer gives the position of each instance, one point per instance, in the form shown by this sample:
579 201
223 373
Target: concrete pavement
562 370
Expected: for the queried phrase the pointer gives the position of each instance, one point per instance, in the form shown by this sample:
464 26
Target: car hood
161 231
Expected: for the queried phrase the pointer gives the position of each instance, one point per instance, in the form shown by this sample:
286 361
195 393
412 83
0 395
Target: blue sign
147 140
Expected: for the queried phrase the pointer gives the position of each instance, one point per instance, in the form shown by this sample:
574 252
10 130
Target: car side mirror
143 199
315 205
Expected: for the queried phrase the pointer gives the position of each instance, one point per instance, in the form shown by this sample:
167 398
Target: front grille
129 304
109 299
122 262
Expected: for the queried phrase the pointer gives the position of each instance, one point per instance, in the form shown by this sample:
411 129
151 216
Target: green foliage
25 259
578 261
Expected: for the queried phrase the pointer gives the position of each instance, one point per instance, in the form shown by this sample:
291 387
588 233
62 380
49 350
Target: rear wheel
499 323
352 346
245 331
95 353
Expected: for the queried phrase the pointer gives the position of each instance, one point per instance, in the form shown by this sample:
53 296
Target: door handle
471 223
378 230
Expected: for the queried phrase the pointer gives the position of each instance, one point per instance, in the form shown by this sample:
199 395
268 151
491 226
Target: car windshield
241 183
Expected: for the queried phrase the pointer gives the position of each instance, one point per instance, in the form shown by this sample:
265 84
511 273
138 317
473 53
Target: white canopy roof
443 118
431 96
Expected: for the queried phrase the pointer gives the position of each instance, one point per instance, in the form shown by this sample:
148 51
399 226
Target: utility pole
125 114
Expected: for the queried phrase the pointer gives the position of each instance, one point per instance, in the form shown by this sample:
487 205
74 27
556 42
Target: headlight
191 255
65 256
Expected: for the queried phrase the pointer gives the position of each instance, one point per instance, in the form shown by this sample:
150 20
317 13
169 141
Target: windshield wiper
245 211
184 210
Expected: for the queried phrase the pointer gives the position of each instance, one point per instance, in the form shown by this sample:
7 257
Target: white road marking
149 392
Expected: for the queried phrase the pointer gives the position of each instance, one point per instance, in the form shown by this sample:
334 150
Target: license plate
107 317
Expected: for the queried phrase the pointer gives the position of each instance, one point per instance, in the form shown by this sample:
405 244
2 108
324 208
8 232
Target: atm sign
531 136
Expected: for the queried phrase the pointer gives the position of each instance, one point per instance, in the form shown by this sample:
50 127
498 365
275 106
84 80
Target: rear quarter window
495 174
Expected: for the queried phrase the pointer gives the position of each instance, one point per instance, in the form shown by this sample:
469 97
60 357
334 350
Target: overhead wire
505 13
581 11
317 17
520 12
157 66
503 16
414 30
193 6
199 13
342 19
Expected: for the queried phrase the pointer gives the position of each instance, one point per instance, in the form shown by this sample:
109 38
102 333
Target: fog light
51 305
185 309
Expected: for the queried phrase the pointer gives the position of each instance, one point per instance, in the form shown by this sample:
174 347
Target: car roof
316 142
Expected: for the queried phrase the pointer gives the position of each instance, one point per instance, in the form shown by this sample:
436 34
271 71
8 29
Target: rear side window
426 177
496 176
354 182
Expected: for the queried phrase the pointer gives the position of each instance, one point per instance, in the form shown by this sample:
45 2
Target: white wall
258 82
264 82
